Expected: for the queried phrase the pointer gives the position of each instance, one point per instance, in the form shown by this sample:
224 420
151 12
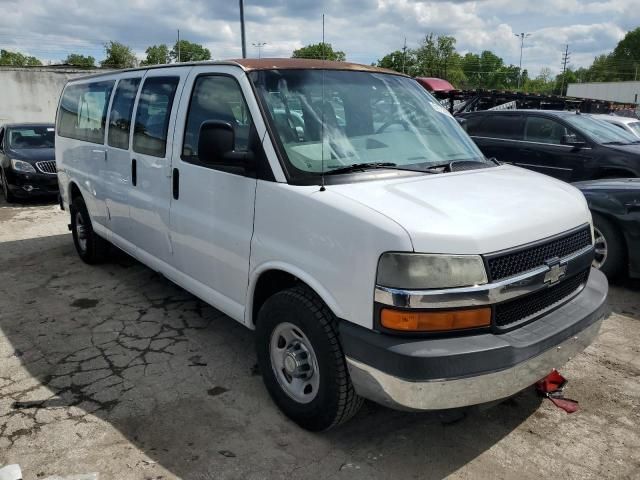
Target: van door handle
134 172
176 183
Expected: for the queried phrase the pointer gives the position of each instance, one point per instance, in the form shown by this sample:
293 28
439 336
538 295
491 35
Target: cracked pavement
113 369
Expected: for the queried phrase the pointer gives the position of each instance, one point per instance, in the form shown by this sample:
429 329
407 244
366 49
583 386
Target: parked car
27 160
566 145
628 124
381 256
615 206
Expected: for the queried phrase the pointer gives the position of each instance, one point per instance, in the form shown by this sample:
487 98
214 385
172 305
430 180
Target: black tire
91 248
335 401
613 265
6 193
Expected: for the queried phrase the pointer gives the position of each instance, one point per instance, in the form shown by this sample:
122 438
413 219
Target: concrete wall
31 94
623 92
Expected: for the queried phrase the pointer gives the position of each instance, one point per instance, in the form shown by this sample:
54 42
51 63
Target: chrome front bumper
400 394
439 373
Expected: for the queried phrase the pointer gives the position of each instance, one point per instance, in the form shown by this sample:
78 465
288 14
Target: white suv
343 214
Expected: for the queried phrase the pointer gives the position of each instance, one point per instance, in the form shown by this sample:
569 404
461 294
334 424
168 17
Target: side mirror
572 141
463 123
216 146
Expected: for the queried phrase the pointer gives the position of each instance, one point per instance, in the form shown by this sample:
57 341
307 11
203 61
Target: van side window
121 111
83 111
216 97
152 115
500 126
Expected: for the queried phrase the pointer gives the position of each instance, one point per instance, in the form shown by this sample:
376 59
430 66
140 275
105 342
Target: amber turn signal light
437 321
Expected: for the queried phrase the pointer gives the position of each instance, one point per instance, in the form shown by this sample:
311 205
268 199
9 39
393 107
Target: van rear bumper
432 374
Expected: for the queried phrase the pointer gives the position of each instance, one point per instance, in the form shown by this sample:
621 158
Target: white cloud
365 29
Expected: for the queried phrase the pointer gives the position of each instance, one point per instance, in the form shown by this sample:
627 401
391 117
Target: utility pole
404 54
323 55
259 46
244 40
565 59
522 36
178 45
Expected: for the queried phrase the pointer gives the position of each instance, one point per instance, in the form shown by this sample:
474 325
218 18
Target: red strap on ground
551 387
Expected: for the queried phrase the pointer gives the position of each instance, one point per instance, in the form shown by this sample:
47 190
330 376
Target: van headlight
21 166
417 271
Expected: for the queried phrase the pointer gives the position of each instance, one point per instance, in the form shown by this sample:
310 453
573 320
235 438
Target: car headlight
21 166
426 271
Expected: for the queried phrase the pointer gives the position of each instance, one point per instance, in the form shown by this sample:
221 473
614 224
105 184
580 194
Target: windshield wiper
370 165
618 142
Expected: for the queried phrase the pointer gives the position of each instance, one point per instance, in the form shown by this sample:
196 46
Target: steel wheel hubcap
294 363
600 249
81 232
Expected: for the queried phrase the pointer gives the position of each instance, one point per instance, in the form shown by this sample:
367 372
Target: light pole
259 46
244 41
522 36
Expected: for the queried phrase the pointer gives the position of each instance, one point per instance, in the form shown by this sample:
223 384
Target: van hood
475 211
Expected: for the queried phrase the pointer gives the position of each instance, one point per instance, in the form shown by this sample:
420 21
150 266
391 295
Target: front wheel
6 193
609 245
90 246
301 360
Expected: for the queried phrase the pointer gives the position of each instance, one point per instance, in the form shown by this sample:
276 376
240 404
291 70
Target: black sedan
27 161
615 206
565 145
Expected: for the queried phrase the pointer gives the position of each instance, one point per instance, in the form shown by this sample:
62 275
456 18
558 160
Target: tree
319 51
189 52
78 60
626 55
399 61
17 59
118 56
156 55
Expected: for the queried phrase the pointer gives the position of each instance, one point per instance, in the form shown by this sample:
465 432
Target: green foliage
118 55
78 60
399 61
319 51
189 52
156 55
17 59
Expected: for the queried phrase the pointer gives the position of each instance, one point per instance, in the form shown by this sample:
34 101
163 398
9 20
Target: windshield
635 126
330 119
31 137
600 130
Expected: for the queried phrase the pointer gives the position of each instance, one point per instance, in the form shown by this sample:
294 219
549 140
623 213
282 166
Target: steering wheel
395 121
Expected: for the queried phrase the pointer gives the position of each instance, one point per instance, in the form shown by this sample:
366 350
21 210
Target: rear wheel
610 253
6 193
90 246
301 360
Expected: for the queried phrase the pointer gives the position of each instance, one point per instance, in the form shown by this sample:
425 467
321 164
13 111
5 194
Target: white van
343 214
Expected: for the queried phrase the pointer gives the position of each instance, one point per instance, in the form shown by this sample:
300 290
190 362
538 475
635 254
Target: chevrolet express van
343 214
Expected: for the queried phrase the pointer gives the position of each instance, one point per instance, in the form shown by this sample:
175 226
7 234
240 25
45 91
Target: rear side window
152 115
121 111
499 126
83 111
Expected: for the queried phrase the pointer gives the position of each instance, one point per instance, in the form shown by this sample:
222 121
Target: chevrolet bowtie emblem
556 271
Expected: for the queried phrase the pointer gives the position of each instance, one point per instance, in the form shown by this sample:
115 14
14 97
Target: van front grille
48 166
503 265
530 306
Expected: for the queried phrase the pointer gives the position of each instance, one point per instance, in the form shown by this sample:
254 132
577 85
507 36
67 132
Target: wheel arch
273 277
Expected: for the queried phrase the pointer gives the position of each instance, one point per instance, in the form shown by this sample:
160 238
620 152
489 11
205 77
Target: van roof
250 64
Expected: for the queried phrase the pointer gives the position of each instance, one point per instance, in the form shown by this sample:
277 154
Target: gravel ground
114 370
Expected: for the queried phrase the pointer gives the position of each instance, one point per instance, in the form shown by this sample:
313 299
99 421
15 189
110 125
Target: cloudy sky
364 29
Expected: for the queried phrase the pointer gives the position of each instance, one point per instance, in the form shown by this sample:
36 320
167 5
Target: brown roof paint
304 63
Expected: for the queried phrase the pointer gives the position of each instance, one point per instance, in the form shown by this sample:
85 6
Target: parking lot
114 370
